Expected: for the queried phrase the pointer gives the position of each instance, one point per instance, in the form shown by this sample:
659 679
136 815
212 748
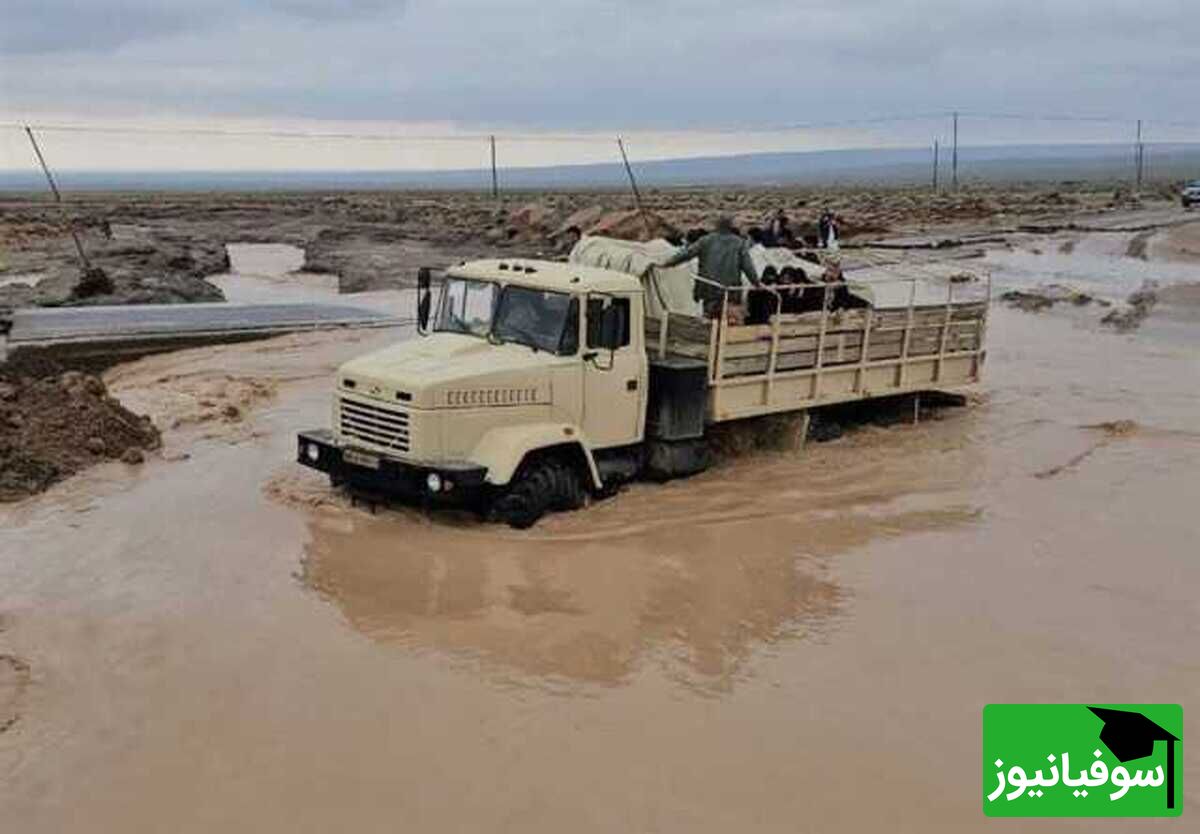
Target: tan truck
537 384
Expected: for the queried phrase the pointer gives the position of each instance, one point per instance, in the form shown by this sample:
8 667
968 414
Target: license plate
361 459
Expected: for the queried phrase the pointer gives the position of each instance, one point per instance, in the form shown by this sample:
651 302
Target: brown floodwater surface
791 641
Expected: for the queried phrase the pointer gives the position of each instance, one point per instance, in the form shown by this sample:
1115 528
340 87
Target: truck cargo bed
807 359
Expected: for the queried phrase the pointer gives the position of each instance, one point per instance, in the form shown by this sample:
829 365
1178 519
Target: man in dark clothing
826 227
724 258
778 232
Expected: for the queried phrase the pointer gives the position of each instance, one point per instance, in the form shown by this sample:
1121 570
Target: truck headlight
312 451
433 482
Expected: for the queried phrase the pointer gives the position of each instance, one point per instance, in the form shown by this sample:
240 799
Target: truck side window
595 311
568 345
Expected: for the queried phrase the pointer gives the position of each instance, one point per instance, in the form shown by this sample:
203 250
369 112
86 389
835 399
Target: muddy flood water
792 641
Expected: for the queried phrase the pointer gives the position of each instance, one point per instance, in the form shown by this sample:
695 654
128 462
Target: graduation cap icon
1131 735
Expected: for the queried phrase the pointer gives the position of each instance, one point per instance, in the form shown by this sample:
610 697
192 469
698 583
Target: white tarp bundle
666 289
671 288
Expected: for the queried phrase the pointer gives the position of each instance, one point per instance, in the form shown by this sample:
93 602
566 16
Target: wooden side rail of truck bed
829 356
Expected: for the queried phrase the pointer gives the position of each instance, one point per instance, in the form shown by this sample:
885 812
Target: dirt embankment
158 248
129 265
55 423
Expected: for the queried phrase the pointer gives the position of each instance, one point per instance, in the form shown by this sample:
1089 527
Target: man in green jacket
724 258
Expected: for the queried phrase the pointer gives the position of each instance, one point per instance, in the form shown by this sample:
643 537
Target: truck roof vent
529 270
504 267
404 396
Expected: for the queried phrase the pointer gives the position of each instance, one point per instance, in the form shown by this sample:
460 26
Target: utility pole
83 258
1139 156
637 197
935 166
495 179
954 155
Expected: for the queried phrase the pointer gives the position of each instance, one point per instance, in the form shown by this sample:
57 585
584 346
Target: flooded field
267 273
271 273
217 641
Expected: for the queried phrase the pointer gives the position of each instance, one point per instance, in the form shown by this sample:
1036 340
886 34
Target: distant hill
1045 163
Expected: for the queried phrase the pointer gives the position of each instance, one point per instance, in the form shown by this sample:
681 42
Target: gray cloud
627 63
334 11
49 26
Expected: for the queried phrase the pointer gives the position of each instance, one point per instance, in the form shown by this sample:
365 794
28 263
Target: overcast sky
583 65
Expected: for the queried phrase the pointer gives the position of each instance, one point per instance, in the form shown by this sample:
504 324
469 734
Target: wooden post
864 352
773 358
1139 154
714 352
819 364
637 196
954 155
495 178
908 327
935 166
945 335
87 265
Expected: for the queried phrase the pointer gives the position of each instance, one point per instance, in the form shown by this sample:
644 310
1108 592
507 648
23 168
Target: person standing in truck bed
724 257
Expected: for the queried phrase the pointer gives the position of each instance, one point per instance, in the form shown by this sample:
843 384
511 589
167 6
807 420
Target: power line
303 134
595 138
135 130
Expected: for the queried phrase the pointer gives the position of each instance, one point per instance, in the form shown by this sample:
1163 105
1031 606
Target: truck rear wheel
541 485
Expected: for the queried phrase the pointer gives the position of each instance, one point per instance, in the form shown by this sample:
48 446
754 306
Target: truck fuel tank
678 399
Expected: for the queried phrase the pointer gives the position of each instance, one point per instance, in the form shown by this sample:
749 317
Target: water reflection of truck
538 384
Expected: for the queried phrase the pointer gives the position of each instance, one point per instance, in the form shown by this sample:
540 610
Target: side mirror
424 297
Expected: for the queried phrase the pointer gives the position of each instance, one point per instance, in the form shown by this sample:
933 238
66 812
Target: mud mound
633 225
57 425
584 219
1137 307
1043 298
1116 428
533 219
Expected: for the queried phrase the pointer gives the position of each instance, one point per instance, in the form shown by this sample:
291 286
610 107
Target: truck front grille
375 424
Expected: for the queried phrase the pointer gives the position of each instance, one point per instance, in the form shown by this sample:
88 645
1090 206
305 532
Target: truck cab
527 391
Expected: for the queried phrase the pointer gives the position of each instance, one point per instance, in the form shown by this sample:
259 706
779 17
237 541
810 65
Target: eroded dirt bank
162 247
217 640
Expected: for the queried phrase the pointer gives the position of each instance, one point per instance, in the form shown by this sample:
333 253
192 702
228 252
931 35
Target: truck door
614 371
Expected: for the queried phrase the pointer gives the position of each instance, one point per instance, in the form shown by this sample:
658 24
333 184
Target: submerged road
102 335
48 326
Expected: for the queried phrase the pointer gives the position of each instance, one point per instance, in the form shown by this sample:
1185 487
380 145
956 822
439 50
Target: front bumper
459 482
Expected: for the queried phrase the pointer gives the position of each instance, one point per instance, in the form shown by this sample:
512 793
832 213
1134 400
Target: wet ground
791 641
265 294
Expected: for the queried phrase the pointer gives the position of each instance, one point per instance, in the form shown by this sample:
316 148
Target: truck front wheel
540 485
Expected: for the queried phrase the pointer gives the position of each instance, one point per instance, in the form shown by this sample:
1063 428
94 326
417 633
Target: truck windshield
466 307
542 320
